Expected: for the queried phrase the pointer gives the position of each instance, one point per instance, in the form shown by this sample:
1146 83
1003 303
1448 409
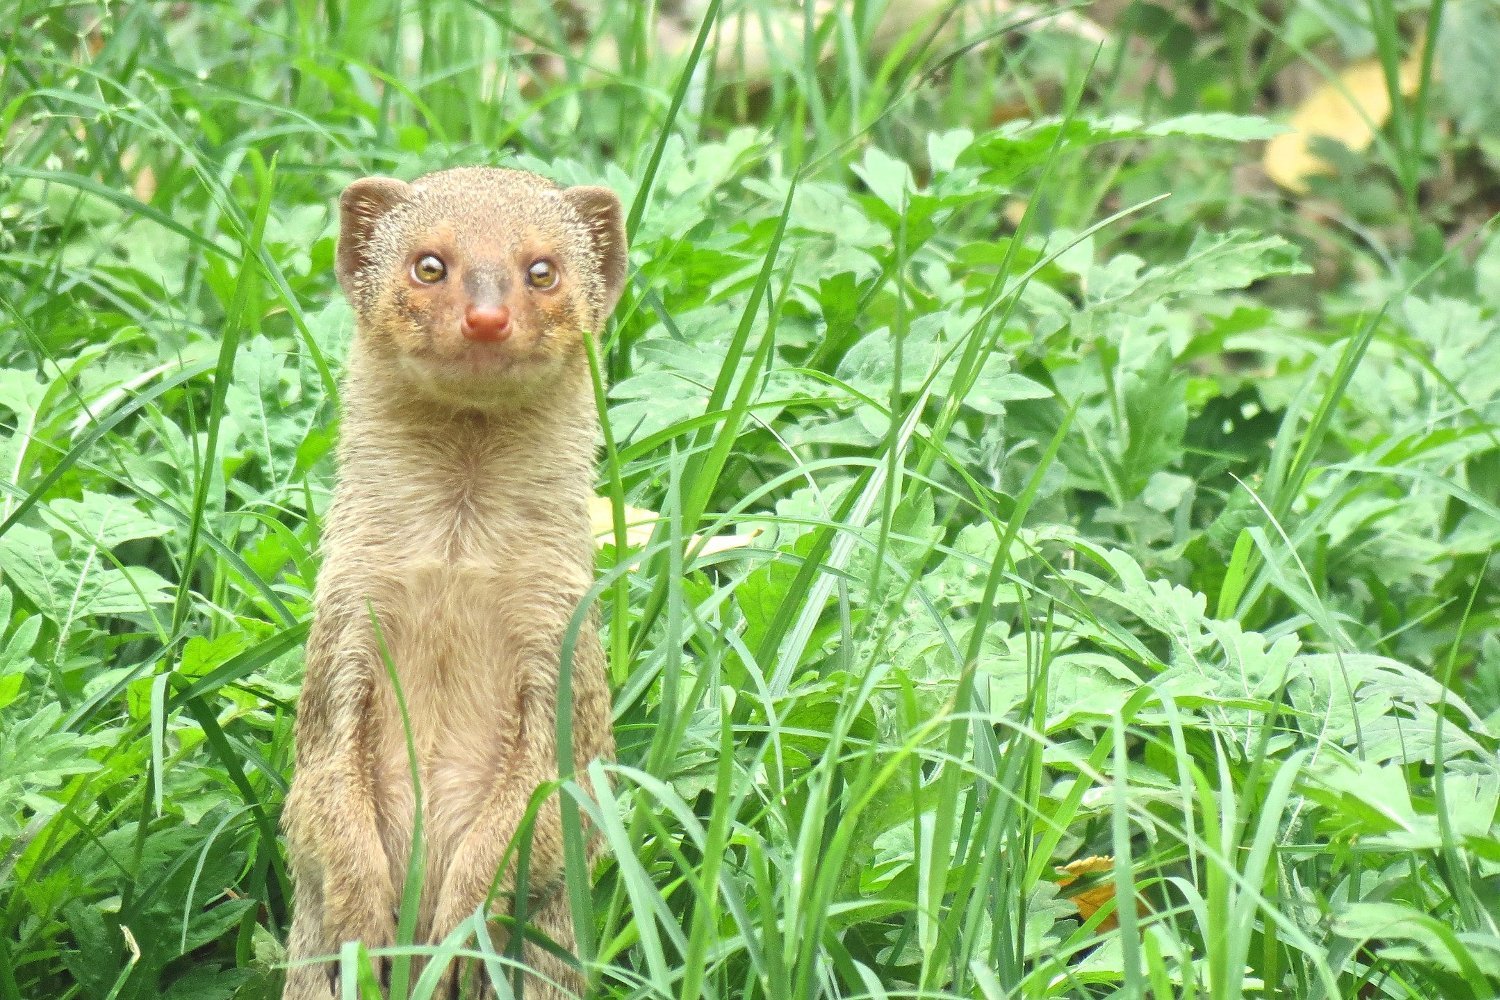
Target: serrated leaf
1213 263
35 758
94 962
102 519
1155 419
20 392
212 924
1392 716
1017 146
268 950
18 646
1426 938
1380 790
264 408
1218 125
31 566
128 591
200 654
997 386
65 589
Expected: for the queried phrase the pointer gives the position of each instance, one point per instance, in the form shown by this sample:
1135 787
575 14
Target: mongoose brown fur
460 518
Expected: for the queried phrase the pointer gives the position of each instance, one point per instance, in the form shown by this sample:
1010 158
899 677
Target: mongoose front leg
473 872
339 864
476 859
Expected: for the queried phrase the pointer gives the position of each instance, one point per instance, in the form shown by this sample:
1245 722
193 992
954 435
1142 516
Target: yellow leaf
1089 901
723 543
640 523
1348 110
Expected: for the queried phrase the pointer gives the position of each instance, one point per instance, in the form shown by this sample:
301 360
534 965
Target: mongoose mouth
474 366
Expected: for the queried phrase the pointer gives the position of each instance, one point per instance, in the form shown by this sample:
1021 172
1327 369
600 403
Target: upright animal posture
460 521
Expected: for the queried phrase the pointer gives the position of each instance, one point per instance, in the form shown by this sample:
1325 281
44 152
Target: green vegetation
1110 500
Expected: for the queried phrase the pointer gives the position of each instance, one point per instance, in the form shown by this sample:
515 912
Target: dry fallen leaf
1348 110
1089 901
640 523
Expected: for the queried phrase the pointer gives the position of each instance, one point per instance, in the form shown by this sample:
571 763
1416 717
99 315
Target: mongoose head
478 285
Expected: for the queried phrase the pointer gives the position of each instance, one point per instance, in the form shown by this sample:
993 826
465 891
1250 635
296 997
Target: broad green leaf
1213 263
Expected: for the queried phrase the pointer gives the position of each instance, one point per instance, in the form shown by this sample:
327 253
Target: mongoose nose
486 324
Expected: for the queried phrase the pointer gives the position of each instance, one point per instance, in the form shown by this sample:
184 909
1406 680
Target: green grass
1091 521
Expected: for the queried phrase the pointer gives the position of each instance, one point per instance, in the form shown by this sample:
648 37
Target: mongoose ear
361 206
599 208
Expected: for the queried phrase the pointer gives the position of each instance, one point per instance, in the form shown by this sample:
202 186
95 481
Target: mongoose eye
429 269
542 274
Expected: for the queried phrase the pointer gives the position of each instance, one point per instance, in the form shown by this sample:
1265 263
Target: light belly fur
446 628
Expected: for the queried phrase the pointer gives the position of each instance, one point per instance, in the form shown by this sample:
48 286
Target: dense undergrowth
1086 521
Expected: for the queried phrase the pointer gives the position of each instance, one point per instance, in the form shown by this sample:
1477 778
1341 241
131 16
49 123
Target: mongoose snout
486 324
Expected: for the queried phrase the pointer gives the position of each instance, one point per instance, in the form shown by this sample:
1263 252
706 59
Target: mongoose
460 519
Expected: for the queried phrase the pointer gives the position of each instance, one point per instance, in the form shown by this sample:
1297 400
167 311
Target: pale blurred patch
639 524
1348 109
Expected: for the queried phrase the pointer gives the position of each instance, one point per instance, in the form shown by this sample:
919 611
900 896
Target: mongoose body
460 521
